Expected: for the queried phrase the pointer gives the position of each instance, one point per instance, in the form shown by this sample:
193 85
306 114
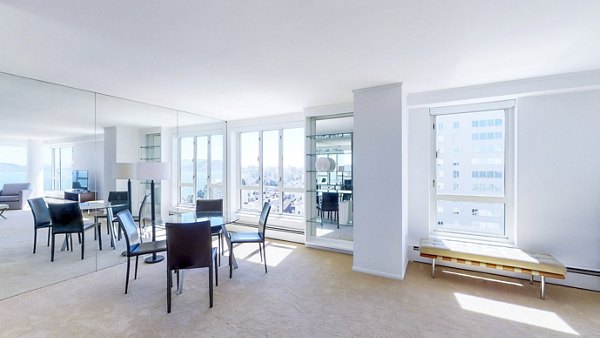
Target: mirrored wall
64 143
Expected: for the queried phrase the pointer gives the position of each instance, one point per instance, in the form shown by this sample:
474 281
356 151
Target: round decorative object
331 164
322 164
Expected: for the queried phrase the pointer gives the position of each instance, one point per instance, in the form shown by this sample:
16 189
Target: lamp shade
153 171
125 170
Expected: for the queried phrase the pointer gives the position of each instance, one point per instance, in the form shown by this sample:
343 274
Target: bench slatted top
494 254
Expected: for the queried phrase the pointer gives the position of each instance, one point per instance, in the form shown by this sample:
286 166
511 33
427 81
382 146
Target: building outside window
272 170
479 201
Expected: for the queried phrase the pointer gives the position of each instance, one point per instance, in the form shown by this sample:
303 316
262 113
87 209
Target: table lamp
153 171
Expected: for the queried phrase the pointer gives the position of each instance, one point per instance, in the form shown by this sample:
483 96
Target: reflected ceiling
239 59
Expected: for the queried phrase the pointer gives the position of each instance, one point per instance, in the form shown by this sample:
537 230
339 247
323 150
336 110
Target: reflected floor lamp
153 171
126 171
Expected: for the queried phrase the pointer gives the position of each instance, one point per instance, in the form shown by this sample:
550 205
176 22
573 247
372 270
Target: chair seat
216 230
245 237
149 247
43 225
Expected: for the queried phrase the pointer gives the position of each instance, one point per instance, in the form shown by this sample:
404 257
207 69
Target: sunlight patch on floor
482 278
323 232
521 314
276 252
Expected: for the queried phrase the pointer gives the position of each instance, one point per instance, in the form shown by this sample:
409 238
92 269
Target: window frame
260 187
509 107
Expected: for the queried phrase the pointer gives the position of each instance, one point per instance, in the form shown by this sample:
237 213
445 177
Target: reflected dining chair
252 237
121 199
214 205
140 218
67 219
330 204
189 246
41 218
135 247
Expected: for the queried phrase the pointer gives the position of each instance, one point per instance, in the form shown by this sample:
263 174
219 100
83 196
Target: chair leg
169 286
52 250
79 237
216 271
265 255
136 265
82 244
260 251
219 247
210 285
127 274
230 262
99 228
49 231
34 238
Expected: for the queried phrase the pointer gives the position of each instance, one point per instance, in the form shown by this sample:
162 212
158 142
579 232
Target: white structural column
380 229
35 167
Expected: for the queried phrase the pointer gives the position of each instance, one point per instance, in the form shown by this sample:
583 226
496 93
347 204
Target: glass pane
187 160
250 200
14 164
216 159
470 217
249 158
293 158
201 167
293 204
66 167
470 153
187 195
271 169
47 168
216 192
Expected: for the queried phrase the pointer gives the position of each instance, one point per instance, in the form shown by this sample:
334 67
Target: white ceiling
241 58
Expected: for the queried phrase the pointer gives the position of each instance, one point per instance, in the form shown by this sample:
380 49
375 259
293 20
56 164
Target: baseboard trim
377 273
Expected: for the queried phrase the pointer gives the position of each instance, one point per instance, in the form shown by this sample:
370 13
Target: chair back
262 220
41 214
209 205
189 245
142 208
330 201
132 236
66 217
118 197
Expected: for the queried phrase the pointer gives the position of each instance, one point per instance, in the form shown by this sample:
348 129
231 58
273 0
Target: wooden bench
493 256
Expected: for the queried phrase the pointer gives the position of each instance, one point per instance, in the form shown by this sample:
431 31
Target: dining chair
41 218
140 218
121 199
213 205
135 247
67 219
330 204
189 246
252 237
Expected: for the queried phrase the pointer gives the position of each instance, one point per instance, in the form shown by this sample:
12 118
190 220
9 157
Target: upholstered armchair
15 195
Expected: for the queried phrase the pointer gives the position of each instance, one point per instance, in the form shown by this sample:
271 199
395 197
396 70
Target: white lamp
153 171
125 171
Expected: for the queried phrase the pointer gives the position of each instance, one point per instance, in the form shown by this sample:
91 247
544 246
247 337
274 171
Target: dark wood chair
135 247
189 246
252 237
215 205
66 219
41 218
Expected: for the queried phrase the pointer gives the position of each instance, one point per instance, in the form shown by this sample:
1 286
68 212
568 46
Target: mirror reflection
61 145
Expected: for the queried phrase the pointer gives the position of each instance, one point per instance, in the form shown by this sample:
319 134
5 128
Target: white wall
35 167
88 155
558 187
379 233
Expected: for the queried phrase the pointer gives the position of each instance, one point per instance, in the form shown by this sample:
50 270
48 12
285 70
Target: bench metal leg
542 286
433 268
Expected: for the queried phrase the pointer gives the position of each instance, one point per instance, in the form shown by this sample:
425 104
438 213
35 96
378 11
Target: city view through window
470 172
282 169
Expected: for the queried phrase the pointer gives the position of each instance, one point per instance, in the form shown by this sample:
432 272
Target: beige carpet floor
307 293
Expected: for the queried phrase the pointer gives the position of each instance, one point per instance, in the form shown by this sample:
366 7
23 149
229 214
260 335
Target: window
200 168
272 170
61 164
478 203
13 164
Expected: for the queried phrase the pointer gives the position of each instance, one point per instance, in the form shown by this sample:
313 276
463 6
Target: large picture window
472 170
200 168
13 164
272 170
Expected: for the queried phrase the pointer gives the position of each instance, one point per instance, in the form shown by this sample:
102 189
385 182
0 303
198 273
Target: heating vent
584 272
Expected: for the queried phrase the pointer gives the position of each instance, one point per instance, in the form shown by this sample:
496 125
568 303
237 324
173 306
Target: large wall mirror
61 144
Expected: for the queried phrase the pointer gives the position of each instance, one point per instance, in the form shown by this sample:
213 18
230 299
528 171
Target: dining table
217 220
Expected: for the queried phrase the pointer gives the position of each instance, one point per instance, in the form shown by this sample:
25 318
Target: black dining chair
330 204
189 246
66 219
213 205
252 237
121 200
140 218
135 247
41 218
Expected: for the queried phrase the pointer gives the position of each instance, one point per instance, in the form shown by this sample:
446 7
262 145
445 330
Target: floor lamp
126 171
153 171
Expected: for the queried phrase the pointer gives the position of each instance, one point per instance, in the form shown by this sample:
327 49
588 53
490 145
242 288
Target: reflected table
217 220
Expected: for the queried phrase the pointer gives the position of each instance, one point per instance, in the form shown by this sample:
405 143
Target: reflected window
13 164
200 168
